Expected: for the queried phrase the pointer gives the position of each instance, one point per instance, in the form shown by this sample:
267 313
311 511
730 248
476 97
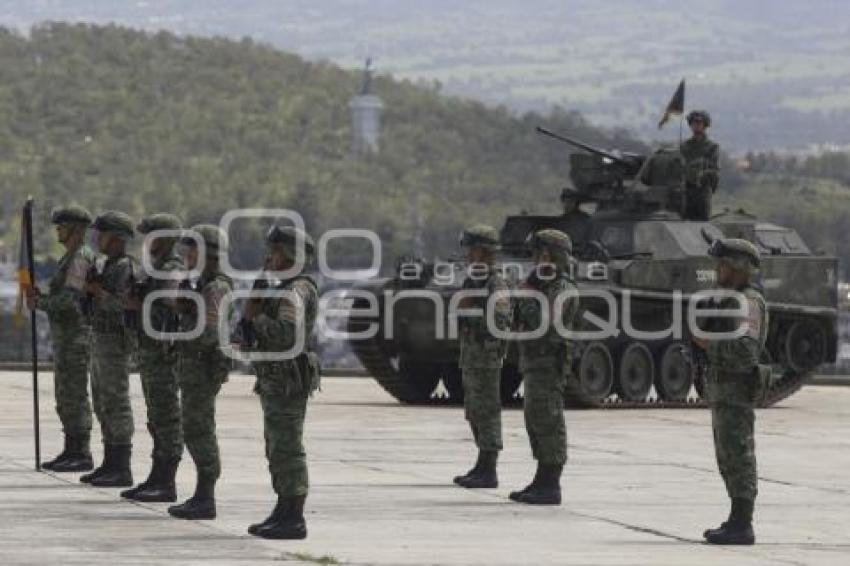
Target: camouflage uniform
731 392
202 370
283 387
114 341
157 363
70 330
481 359
733 384
575 222
544 363
702 163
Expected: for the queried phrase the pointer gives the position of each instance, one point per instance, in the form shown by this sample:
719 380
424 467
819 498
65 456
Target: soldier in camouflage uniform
544 362
702 163
482 354
113 343
735 380
157 363
576 222
203 368
284 386
70 329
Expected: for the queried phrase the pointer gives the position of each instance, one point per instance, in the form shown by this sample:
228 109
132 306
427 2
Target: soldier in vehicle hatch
702 158
576 221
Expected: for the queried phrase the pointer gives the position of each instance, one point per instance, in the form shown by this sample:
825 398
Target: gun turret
631 162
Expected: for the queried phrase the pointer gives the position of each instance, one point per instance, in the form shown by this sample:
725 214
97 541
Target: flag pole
33 332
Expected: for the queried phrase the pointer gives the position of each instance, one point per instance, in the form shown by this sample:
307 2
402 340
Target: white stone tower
365 117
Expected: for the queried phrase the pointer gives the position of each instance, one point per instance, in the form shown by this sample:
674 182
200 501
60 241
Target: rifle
93 275
245 334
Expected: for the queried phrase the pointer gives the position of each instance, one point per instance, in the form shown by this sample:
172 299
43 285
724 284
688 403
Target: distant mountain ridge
775 74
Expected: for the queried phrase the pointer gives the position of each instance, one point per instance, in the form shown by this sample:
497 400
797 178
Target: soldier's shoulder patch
754 316
77 270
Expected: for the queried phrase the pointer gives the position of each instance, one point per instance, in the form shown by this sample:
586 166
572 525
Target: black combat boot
291 525
738 529
514 495
119 473
49 465
547 490
161 487
107 463
483 475
277 514
201 505
78 457
153 476
474 470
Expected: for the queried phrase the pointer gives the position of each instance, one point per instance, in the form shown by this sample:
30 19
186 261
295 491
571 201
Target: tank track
396 383
377 363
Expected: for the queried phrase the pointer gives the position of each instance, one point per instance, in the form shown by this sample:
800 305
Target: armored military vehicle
638 265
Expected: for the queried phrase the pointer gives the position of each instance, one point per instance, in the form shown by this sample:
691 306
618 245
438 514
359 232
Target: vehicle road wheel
596 372
675 374
635 372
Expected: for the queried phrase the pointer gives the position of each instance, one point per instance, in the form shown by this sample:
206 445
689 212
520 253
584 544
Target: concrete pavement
640 488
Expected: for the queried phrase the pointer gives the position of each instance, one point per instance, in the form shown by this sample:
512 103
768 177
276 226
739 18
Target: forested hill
117 118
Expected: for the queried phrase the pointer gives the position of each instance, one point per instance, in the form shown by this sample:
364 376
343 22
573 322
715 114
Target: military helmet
71 214
288 237
215 239
160 221
482 236
114 221
739 253
557 243
551 240
700 115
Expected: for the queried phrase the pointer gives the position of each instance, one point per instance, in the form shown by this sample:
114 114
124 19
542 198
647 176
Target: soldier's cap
114 221
288 237
739 252
214 237
480 235
159 221
700 115
551 239
71 214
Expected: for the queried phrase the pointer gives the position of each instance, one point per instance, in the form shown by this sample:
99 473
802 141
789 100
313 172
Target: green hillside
817 207
117 118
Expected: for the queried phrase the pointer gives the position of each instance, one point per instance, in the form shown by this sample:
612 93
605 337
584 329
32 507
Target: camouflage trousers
71 358
110 386
482 405
162 400
284 409
733 427
543 408
201 378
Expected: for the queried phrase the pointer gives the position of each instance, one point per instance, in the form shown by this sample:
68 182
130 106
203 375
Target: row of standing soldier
735 378
180 384
93 304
